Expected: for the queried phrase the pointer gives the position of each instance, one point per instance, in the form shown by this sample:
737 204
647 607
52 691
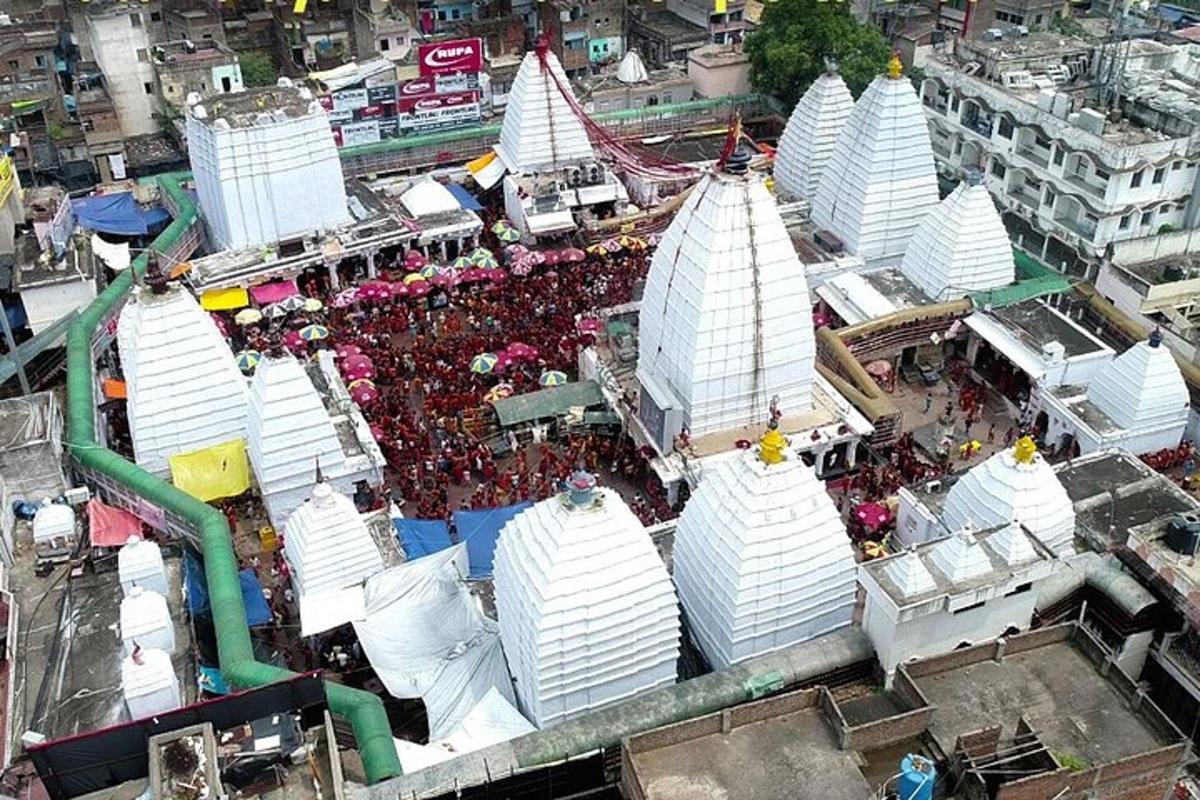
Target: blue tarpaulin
420 537
465 199
480 529
195 582
118 214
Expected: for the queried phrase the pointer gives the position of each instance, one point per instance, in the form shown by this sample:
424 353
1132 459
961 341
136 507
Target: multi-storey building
120 36
584 32
205 68
1070 175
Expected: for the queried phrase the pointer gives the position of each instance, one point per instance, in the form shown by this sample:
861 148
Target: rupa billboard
455 55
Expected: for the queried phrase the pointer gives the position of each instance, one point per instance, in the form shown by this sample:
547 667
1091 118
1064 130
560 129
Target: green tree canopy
257 69
794 37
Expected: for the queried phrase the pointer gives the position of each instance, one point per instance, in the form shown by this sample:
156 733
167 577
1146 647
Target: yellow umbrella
413 277
597 250
247 316
313 304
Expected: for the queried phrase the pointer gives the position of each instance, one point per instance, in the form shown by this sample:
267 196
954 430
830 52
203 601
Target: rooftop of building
183 53
1043 688
1049 680
672 26
1114 491
35 269
1156 561
109 8
1035 324
242 109
719 55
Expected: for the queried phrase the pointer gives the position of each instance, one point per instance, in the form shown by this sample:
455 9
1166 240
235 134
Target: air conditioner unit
574 176
594 173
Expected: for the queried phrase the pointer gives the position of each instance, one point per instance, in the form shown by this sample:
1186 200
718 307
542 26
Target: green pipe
236 655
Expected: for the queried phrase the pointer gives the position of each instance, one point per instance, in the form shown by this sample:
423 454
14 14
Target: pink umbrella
414 260
399 289
377 433
573 255
520 350
364 394
348 350
590 325
345 298
472 275
515 251
293 341
551 257
521 269
221 324
419 289
360 373
356 361
503 362
495 275
873 516
446 280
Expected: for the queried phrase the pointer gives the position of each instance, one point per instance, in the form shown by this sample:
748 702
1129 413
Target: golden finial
771 446
1025 450
895 68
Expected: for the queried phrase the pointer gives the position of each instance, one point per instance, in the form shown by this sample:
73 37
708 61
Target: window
1102 175
226 84
385 45
971 607
1136 180
735 16
135 20
1124 223
1049 198
1021 589
143 55
13 64
1058 157
39 61
455 13
1092 218
1146 218
156 16
1176 165
148 87
1159 174
954 103
998 169
1042 142
1037 20
1005 129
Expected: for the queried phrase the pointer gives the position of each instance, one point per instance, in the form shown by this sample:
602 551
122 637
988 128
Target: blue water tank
917 777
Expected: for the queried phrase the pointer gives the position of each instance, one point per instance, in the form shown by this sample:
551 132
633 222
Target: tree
257 69
794 37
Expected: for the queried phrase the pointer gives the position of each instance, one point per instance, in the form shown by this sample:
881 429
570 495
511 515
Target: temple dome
540 132
961 246
761 557
726 321
184 390
1014 485
1142 388
328 545
880 180
587 612
807 142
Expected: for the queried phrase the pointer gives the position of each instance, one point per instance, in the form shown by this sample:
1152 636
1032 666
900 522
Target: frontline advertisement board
455 55
436 102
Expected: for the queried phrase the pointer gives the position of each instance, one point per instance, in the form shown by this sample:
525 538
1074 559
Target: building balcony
1091 188
1025 198
1038 157
1082 228
940 149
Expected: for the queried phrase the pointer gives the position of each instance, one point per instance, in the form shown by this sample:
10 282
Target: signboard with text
436 102
455 55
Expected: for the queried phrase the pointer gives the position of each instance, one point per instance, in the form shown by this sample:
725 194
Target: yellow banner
214 472
224 299
300 6
8 178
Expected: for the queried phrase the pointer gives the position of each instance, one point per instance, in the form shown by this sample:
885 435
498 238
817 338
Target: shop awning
487 170
465 199
224 299
273 292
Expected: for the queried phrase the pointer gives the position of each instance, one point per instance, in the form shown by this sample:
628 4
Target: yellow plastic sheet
224 299
214 472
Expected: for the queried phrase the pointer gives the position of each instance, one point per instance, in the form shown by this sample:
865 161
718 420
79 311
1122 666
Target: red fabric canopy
269 293
111 527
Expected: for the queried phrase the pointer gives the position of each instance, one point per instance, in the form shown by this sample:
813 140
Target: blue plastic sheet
480 530
118 214
195 582
421 537
465 199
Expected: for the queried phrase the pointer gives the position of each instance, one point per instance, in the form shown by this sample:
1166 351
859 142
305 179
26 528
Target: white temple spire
880 180
540 132
807 142
961 246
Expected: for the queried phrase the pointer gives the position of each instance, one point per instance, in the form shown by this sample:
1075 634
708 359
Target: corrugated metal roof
547 403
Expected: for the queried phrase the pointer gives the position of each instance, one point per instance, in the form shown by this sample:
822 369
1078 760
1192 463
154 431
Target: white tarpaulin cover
116 256
426 637
324 611
493 720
